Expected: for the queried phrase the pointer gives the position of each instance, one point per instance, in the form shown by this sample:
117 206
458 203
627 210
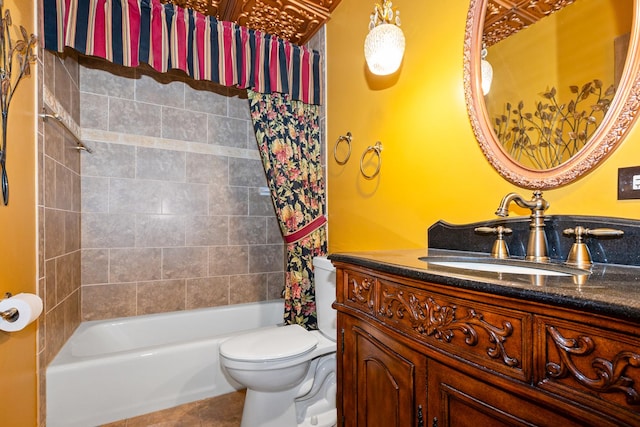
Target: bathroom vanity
428 345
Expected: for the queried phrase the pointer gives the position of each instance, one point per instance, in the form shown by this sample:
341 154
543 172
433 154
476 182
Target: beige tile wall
58 213
172 218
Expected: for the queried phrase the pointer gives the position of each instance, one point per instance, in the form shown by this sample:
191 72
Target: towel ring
347 139
377 148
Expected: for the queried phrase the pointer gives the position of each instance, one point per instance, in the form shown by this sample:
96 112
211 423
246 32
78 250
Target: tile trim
102 136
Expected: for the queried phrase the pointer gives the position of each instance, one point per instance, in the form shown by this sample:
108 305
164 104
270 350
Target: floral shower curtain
288 136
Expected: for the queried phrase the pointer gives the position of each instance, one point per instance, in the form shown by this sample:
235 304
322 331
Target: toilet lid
270 344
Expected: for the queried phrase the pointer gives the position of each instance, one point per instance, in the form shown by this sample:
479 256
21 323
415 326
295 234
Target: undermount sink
511 266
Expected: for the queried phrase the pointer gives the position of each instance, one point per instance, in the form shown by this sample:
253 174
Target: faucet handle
499 230
579 254
500 249
581 232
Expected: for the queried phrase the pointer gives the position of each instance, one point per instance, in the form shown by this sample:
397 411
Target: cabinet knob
434 423
420 417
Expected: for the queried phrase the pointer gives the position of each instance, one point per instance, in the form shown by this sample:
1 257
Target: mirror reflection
554 80
609 133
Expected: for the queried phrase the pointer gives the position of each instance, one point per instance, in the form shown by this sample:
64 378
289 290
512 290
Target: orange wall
432 167
18 243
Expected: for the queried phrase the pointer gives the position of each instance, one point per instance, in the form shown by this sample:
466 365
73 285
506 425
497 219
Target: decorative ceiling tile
506 17
293 20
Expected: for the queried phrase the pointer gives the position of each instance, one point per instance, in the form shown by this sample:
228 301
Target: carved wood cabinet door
387 380
458 400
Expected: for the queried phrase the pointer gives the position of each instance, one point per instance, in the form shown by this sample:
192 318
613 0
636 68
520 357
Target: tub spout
537 245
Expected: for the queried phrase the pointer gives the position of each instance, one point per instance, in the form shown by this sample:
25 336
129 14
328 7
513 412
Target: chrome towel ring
347 139
377 148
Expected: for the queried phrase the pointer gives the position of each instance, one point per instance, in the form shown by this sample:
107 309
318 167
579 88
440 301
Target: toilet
289 372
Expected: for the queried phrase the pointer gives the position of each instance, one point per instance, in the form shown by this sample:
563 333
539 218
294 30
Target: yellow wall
591 54
432 167
18 243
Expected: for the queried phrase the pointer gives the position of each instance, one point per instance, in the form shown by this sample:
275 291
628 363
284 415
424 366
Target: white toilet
289 372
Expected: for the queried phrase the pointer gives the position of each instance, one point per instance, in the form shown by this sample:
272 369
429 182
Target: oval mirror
557 126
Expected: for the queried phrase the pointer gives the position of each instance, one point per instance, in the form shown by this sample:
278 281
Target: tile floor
221 411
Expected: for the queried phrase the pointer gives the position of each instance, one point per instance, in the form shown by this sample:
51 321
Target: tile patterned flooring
220 411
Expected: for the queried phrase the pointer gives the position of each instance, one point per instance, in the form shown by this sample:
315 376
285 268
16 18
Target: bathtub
119 368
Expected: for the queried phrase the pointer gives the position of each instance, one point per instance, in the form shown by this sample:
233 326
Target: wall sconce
486 71
384 45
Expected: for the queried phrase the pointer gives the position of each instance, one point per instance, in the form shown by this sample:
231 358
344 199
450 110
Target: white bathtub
119 368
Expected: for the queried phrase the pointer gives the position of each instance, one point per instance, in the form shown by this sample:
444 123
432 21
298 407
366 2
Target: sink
511 266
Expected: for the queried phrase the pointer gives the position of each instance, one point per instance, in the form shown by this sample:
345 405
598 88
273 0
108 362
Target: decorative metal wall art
15 63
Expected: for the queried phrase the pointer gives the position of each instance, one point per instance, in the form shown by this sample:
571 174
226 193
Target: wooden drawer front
360 291
597 367
493 337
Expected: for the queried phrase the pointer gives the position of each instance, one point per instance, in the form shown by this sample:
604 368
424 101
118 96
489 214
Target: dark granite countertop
610 289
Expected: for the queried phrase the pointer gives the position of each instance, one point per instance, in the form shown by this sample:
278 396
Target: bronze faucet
537 245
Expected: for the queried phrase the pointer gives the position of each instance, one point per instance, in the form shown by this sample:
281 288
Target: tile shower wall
58 214
172 215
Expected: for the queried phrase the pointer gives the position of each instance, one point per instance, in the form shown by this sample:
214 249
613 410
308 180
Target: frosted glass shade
486 71
384 48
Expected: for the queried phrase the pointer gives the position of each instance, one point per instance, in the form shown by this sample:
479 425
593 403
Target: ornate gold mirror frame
617 122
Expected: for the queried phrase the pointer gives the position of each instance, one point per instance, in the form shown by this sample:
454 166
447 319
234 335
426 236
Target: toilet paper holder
12 314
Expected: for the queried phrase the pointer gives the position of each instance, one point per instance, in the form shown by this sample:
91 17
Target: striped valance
166 36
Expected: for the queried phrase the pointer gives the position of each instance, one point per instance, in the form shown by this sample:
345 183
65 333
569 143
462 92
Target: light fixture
486 71
384 45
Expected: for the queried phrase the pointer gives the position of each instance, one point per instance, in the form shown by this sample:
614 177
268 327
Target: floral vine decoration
554 132
15 63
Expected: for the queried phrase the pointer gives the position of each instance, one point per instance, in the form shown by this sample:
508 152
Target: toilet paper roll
29 307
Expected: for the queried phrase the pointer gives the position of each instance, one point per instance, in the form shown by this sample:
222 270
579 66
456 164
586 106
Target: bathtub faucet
537 245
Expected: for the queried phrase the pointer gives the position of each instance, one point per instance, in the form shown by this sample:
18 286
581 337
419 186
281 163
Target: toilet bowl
289 371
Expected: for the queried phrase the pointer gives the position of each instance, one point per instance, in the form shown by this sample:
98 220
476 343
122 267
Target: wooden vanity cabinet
384 382
413 353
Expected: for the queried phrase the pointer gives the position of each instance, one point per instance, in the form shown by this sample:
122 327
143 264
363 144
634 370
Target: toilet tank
325 285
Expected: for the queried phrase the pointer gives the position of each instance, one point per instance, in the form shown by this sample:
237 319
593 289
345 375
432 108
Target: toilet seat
271 344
